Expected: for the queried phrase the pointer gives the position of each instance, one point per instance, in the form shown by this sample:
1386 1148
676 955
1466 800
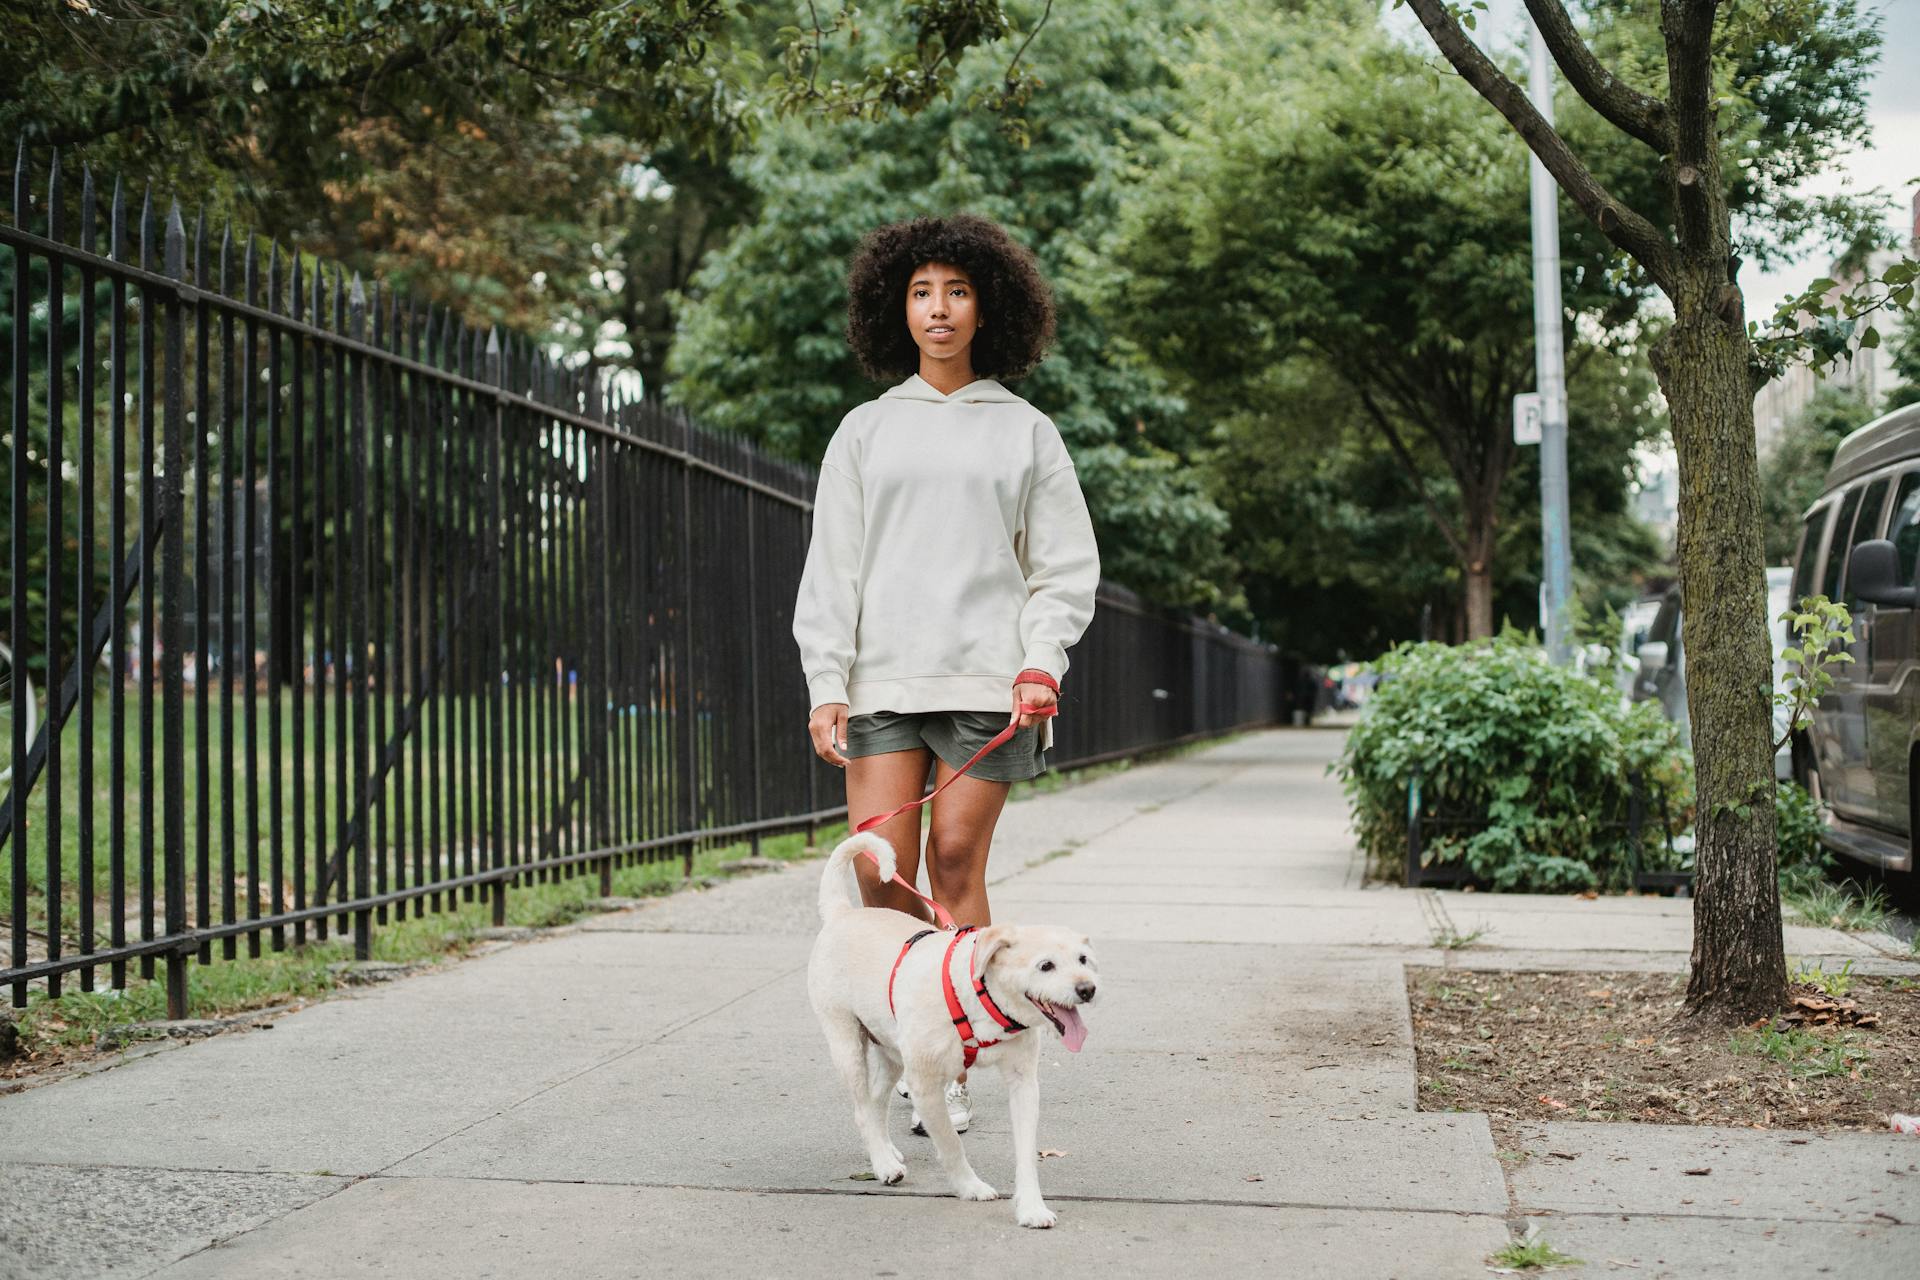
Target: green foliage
1794 472
1532 1255
1819 628
760 347
1849 906
1834 982
1328 251
1826 324
1806 1054
1803 861
1532 758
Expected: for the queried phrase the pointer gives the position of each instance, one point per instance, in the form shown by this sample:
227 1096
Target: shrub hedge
1524 767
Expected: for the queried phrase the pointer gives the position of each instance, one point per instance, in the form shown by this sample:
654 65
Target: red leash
940 913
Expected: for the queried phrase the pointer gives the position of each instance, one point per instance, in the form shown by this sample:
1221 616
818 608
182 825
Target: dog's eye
1046 966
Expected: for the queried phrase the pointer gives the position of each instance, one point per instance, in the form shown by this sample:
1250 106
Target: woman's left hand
1034 695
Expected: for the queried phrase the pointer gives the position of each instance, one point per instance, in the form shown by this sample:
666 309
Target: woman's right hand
828 728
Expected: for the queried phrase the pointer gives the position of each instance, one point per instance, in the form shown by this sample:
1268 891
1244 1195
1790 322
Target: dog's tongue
1072 1030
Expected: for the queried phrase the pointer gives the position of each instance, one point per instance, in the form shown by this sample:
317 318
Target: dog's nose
1085 991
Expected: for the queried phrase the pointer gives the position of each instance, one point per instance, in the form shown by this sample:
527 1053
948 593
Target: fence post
173 499
1636 817
599 689
690 769
496 626
753 659
1414 870
17 571
354 652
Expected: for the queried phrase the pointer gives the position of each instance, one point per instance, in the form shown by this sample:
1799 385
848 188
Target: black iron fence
322 609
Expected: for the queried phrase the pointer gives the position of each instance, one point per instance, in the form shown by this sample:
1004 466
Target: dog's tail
839 891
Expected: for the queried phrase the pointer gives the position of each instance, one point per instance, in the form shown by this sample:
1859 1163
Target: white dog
875 981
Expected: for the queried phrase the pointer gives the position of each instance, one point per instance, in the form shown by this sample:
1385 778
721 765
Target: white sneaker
959 1109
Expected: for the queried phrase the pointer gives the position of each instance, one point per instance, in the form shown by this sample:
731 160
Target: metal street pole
1550 376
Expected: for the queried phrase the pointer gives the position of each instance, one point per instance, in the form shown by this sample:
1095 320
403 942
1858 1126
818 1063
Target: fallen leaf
1698 1173
1564 1155
861 1177
1555 1103
1254 1177
1051 1154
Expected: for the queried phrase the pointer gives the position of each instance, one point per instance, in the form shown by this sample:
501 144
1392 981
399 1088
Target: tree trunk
1479 599
1477 565
1739 965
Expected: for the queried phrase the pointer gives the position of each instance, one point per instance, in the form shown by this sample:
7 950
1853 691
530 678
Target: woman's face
942 311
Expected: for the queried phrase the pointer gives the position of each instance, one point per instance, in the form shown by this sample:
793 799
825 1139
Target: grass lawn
534 778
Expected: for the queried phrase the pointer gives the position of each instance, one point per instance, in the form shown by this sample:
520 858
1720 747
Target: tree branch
1405 456
1698 192
1619 223
1620 103
128 111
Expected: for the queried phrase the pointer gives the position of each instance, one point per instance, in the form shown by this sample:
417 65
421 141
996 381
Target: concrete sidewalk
647 1094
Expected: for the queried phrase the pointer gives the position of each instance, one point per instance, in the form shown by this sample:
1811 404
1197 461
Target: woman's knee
954 859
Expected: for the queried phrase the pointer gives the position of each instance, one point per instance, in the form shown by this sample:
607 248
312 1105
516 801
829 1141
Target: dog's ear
992 939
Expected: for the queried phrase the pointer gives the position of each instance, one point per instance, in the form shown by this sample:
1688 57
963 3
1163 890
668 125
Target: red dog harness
970 1045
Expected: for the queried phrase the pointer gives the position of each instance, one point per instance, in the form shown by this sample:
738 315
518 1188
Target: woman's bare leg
876 784
960 834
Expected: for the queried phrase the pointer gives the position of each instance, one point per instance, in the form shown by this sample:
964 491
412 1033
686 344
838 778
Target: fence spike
117 223
146 235
176 242
55 205
88 214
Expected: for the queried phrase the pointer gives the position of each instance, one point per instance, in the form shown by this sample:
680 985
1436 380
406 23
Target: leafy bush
1524 767
1804 861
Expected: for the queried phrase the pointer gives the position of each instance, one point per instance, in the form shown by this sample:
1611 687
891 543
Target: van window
1903 528
1867 527
1837 546
1806 565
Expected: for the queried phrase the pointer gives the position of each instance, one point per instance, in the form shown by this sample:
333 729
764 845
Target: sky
1891 162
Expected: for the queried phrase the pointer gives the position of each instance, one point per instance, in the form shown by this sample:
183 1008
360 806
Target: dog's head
1037 973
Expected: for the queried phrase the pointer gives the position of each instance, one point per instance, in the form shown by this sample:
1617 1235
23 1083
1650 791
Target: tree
1316 198
1684 244
1338 554
760 349
552 167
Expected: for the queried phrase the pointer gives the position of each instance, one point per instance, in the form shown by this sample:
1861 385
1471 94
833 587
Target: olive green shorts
953 736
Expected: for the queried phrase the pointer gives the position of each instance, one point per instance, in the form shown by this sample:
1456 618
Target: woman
952 563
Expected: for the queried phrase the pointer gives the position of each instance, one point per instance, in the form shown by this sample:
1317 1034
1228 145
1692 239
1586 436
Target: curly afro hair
1014 300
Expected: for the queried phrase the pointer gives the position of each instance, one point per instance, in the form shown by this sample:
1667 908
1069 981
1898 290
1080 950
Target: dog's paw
976 1190
1033 1213
890 1172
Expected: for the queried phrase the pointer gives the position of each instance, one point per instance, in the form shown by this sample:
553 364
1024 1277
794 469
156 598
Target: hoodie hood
979 391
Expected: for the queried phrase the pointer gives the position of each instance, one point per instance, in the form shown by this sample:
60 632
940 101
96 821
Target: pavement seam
607 1061
349 1181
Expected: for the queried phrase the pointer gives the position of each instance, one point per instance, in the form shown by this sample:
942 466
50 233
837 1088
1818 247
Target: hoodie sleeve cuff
1047 657
828 686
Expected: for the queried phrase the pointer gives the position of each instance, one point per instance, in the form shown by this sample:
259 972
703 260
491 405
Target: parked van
1860 544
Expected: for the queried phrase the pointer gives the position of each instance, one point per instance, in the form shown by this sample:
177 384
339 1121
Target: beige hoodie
951 549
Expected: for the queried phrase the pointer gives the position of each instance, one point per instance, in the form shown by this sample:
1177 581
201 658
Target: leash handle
940 914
